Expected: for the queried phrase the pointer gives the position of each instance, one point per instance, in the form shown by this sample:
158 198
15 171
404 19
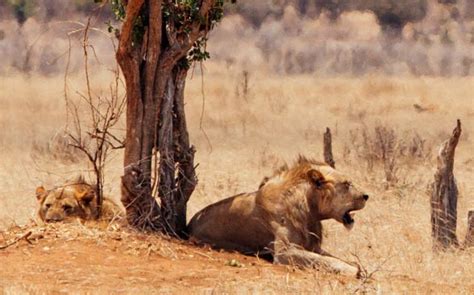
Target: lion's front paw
352 271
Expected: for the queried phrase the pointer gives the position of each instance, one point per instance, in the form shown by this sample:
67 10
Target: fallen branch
25 237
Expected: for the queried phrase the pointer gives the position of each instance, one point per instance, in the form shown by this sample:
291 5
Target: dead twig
23 237
203 255
366 276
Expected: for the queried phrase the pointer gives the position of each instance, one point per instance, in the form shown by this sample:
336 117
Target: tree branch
126 34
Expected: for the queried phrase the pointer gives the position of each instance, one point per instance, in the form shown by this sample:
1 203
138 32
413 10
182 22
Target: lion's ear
84 197
40 190
317 178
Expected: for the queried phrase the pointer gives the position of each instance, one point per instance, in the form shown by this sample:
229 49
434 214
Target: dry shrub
355 43
416 147
383 148
387 145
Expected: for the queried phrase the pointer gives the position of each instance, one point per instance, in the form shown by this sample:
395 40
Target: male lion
75 199
284 216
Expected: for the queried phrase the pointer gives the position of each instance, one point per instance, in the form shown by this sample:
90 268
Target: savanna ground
244 133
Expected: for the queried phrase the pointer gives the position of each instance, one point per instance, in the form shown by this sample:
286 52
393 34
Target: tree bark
469 242
177 175
328 157
186 179
444 196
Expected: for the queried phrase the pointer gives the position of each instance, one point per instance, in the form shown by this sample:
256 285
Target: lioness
75 199
284 216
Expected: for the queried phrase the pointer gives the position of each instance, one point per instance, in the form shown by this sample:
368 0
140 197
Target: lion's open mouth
348 220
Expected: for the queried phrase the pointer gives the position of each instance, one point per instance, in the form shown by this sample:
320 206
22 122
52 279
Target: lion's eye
347 184
47 206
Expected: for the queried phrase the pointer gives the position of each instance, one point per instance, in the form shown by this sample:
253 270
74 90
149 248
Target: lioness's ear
85 196
317 178
40 190
263 182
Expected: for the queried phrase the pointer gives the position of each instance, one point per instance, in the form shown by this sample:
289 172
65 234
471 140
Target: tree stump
444 196
328 157
469 242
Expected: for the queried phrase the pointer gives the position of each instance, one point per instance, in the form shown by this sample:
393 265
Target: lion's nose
366 197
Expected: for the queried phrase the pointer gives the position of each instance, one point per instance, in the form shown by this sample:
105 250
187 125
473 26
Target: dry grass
279 118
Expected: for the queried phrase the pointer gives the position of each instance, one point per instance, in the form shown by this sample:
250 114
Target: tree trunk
158 160
141 208
328 158
177 175
469 242
444 196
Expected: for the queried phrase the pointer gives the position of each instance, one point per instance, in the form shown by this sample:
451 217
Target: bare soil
93 259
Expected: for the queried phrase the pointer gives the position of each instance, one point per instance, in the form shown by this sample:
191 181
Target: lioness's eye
47 206
67 208
347 184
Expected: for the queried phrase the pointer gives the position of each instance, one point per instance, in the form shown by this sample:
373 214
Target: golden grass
279 118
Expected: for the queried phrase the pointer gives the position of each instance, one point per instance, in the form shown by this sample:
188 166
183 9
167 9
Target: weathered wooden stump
444 196
328 157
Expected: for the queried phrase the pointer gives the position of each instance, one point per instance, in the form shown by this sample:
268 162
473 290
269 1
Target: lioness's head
67 202
337 197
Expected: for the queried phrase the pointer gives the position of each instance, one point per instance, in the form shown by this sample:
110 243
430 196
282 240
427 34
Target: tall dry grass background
268 95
